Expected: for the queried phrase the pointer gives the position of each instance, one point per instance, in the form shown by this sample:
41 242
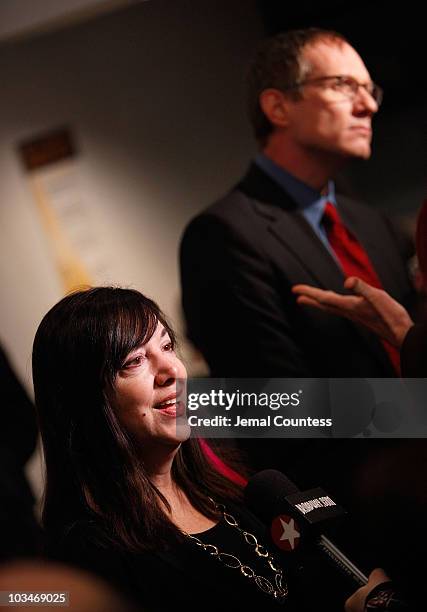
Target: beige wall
154 97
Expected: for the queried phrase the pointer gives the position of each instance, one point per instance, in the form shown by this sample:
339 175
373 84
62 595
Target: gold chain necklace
278 590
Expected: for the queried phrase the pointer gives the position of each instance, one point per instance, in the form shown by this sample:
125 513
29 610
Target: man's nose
364 102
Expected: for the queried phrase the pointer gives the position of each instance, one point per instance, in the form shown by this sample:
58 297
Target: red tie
354 261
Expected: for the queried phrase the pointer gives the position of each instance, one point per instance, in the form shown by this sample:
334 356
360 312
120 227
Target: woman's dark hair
92 464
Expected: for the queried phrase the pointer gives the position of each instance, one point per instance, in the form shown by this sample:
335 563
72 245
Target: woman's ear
274 105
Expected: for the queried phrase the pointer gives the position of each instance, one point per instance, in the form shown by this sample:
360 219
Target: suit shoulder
229 207
234 215
379 224
363 209
357 205
231 221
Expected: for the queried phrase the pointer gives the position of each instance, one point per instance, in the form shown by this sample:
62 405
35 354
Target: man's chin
362 152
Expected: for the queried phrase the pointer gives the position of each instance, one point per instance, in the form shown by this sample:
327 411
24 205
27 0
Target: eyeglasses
345 85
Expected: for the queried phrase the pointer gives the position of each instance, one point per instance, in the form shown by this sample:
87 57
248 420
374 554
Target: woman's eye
168 347
134 362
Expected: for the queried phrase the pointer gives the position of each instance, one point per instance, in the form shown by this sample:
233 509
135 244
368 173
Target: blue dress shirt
311 203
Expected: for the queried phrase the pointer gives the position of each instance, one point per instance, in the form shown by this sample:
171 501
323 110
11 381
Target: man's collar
308 200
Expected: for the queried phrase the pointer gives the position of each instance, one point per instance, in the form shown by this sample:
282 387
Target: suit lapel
291 228
365 232
296 235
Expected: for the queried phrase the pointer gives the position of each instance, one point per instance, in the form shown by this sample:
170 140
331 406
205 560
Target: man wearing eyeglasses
311 102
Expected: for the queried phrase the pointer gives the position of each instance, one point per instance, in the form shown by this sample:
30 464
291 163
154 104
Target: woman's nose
167 372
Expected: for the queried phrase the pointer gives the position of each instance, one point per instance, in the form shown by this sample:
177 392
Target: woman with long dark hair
129 495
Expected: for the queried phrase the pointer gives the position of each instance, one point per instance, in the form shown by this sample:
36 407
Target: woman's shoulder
82 532
83 543
87 545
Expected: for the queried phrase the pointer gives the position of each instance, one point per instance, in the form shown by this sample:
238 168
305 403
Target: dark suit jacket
414 352
239 260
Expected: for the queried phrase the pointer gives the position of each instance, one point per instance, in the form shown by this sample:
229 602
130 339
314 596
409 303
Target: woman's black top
188 576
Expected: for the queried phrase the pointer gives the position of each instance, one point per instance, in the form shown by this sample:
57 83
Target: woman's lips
172 410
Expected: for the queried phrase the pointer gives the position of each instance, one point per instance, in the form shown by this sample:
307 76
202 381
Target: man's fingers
308 301
361 288
326 306
304 300
320 295
350 282
326 298
305 290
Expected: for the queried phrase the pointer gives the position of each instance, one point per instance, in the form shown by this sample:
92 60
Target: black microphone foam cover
265 493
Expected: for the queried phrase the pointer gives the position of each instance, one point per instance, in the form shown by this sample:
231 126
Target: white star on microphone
289 532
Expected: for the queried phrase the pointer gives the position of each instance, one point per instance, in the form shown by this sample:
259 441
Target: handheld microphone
278 502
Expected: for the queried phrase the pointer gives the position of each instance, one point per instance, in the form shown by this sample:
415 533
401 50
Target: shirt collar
309 201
